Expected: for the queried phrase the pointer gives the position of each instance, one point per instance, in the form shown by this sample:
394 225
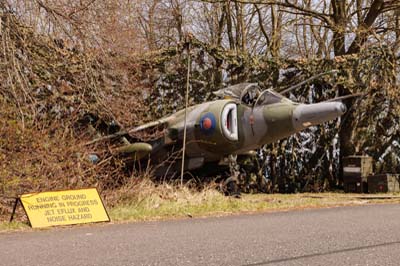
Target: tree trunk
339 18
227 8
339 41
363 30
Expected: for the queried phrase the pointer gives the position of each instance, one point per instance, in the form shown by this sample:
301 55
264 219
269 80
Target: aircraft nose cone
342 108
306 115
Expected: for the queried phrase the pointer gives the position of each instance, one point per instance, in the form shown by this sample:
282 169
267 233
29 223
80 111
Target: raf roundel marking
208 123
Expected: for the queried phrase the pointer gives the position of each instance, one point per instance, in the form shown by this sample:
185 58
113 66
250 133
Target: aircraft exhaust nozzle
306 115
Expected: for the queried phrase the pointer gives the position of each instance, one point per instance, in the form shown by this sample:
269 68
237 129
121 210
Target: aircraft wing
144 137
158 123
147 135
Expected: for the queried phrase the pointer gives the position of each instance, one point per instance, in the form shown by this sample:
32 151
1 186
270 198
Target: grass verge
13 226
212 203
167 202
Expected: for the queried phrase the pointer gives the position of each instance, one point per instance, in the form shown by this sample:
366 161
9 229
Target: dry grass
166 202
143 200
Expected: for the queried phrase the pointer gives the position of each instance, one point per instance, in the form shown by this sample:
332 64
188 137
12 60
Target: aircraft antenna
186 106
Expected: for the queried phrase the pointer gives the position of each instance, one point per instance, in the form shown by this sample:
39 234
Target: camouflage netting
49 81
54 99
309 160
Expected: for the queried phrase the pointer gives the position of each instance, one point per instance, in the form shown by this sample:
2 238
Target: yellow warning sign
64 207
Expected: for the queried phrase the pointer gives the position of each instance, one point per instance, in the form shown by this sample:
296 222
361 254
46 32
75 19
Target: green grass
167 202
13 226
212 203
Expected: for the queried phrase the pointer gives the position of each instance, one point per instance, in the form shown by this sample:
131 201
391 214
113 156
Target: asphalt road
364 235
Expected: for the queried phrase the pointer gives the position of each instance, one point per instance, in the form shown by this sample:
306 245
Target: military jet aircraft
244 120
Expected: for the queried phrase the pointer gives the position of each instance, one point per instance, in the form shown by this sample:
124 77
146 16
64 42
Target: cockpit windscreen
269 97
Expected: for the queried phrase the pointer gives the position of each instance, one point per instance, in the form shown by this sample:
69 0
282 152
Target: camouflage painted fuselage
256 127
219 128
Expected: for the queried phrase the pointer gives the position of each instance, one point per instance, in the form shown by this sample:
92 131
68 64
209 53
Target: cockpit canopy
249 94
268 97
240 92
